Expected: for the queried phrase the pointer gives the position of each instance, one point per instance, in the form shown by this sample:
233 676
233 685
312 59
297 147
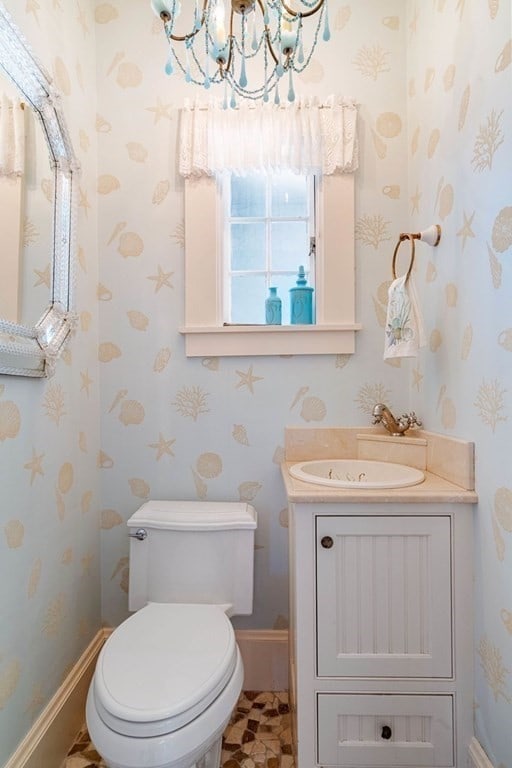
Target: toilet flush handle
139 534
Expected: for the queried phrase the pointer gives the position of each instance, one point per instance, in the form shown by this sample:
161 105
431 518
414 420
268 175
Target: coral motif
493 668
371 61
490 137
54 403
370 394
30 232
240 434
372 230
340 361
191 402
54 616
179 234
489 402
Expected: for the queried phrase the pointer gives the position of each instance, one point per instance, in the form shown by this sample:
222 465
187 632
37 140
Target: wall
460 164
49 433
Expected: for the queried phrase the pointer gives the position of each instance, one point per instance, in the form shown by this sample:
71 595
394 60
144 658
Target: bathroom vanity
381 624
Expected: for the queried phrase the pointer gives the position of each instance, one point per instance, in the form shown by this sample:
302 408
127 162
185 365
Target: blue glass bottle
273 307
301 301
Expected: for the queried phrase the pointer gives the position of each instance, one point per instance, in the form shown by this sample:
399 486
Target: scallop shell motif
448 414
502 230
130 245
313 409
161 192
162 359
65 480
35 575
449 77
436 339
209 465
139 487
104 13
247 491
433 142
137 152
110 518
107 351
128 75
9 680
10 420
138 320
107 184
201 487
14 533
240 434
467 340
132 412
389 125
503 508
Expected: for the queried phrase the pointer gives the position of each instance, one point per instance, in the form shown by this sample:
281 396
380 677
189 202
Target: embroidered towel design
404 324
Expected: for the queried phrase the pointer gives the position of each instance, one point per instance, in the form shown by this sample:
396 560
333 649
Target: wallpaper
128 417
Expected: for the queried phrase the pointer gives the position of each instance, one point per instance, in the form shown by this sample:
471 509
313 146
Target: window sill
246 340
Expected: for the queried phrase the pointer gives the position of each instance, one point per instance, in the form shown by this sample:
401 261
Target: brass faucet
382 415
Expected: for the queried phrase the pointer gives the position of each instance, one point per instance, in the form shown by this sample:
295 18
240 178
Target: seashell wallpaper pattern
128 417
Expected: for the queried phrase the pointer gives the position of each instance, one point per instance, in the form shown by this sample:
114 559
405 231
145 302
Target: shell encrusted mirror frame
24 350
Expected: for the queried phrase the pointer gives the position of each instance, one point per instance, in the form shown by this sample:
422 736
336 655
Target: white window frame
335 327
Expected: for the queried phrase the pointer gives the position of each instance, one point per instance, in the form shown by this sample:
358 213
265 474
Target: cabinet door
384 596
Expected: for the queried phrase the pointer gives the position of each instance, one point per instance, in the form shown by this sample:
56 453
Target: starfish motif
163 447
35 465
161 279
466 230
43 276
161 110
417 378
84 202
247 380
86 381
415 200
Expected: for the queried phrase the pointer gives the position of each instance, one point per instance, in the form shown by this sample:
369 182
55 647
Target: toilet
167 679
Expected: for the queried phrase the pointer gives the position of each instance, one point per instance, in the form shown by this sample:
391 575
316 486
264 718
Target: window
268 231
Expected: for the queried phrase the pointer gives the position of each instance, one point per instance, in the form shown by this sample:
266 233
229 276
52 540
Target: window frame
205 333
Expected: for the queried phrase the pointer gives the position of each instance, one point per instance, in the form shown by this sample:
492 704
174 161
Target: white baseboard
265 657
477 756
48 741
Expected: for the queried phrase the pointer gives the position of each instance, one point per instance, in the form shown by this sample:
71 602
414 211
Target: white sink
356 473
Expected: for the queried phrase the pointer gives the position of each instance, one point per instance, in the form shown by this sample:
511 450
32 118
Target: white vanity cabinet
381 634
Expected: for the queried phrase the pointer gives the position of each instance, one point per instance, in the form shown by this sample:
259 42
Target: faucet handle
413 419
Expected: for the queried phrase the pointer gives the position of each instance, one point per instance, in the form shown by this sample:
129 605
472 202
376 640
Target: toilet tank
192 552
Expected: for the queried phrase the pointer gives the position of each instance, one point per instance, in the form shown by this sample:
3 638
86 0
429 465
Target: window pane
289 195
248 246
290 245
248 195
248 294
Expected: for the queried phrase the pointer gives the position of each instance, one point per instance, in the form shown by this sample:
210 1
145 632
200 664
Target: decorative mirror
31 339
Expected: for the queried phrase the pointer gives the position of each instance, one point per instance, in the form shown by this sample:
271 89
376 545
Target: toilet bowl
164 688
169 677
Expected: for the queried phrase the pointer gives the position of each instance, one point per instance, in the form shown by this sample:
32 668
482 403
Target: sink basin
356 473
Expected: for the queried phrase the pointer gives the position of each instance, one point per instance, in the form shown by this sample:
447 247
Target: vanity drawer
385 730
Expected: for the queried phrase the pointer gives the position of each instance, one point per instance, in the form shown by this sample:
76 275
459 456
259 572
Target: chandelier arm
303 14
231 38
267 34
184 38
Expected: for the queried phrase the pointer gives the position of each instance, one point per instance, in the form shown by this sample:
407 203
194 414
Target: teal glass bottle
273 307
301 301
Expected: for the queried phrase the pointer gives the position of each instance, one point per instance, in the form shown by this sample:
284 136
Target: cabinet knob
386 732
326 542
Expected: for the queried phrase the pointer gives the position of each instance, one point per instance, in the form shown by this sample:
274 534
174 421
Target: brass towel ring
413 251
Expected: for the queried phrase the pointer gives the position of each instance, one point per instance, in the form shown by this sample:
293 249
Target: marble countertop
433 489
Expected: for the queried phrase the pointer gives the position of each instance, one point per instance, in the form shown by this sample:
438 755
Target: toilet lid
163 666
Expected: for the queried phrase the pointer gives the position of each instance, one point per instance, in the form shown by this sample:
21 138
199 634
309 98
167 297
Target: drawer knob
386 732
326 542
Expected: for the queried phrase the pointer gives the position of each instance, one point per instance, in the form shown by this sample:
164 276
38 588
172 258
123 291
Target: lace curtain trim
306 137
12 137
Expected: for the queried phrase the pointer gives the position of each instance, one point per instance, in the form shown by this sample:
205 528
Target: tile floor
258 736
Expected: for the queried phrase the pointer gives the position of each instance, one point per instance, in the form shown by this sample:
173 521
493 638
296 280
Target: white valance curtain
306 137
12 137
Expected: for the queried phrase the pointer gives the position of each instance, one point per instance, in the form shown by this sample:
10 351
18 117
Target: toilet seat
163 667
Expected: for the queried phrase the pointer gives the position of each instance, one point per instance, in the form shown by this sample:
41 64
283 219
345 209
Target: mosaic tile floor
258 736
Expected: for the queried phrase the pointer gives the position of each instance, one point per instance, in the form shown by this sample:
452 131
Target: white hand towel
404 324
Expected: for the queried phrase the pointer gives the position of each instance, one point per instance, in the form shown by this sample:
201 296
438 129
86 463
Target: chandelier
257 40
